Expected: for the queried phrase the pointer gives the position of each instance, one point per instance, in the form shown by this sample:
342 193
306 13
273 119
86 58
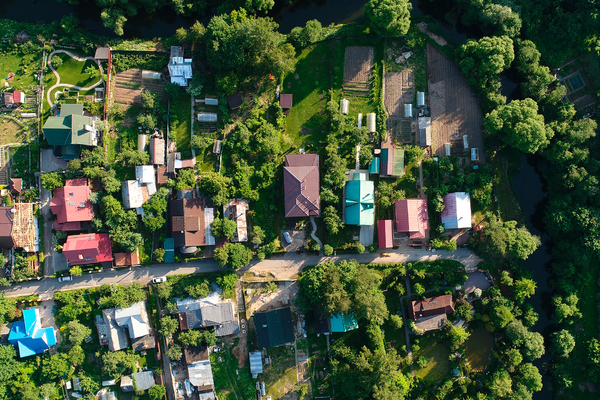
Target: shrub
327 250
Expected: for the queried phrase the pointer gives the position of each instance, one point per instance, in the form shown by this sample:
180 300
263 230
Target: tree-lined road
282 268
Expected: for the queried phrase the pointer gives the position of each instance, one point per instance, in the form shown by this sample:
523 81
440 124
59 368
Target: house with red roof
92 248
431 314
385 234
412 218
14 98
71 204
301 185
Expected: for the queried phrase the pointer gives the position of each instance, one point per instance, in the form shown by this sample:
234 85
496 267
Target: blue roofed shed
360 203
374 166
343 322
28 335
256 364
169 250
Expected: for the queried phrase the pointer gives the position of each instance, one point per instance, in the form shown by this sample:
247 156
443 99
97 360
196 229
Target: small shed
169 247
151 75
425 131
474 154
286 100
256 364
207 117
359 120
217 147
374 165
102 53
142 142
235 100
371 120
385 234
447 147
211 102
420 99
344 105
408 113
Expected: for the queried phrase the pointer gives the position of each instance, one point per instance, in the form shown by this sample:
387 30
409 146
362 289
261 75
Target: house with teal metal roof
343 322
69 130
29 337
360 201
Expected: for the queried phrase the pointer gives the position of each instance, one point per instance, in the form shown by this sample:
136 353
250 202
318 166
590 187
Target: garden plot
454 110
129 85
401 131
399 89
358 64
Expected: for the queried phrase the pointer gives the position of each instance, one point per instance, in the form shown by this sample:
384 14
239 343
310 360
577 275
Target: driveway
476 280
52 261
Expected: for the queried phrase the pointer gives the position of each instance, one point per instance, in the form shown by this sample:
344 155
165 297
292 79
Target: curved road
58 84
283 268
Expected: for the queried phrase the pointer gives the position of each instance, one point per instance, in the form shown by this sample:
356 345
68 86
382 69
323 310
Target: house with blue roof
28 335
360 201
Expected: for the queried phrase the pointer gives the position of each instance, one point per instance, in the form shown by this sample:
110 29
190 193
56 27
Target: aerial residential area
293 200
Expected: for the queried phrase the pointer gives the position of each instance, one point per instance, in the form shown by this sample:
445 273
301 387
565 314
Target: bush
448 245
327 250
396 322
373 248
56 62
360 248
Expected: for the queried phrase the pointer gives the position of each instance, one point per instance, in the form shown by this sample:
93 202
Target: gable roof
457 211
236 210
301 185
256 364
360 203
109 333
286 100
6 225
188 222
431 306
28 335
133 195
157 151
71 203
385 234
235 100
200 375
274 328
412 217
16 185
88 249
194 354
16 97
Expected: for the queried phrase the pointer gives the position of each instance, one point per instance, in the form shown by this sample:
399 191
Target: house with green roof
343 322
70 130
360 201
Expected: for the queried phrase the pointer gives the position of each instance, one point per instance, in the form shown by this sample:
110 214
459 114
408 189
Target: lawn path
58 84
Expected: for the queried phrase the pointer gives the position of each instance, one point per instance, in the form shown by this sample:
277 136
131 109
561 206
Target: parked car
159 279
65 278
286 236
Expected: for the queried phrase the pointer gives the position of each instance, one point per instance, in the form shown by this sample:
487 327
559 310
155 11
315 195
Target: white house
180 68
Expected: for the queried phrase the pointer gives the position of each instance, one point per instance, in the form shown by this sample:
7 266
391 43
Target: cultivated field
399 89
402 131
454 111
358 63
129 84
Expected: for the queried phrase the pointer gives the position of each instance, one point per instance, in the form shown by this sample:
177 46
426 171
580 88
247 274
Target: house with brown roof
71 204
127 259
431 313
191 222
16 185
157 151
6 226
411 217
286 101
301 185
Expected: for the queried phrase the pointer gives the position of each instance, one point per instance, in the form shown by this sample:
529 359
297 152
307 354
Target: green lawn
280 376
231 382
24 67
309 84
12 132
73 71
182 108
438 367
395 337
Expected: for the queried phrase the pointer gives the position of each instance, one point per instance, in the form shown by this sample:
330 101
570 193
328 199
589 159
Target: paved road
286 267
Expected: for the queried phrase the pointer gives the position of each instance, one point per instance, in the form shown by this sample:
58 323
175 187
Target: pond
479 347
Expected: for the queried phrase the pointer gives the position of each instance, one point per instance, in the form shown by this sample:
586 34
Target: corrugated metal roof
256 365
457 211
425 131
360 203
385 234
374 166
412 217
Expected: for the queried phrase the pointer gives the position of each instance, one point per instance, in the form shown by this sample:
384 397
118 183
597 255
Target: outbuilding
371 120
344 105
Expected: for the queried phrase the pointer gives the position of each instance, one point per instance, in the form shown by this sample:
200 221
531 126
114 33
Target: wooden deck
454 110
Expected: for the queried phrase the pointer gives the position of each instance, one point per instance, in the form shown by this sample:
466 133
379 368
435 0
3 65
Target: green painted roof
71 109
79 135
69 129
398 162
360 203
343 322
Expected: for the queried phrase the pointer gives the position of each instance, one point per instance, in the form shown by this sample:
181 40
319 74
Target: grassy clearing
437 352
73 71
11 132
181 107
506 164
280 376
479 348
231 382
24 66
394 337
309 85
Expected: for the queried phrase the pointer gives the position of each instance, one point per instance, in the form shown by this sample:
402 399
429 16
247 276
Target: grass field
437 352
23 66
280 376
182 108
11 132
231 382
309 85
73 71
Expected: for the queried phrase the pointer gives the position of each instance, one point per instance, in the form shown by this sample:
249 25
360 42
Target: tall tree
388 17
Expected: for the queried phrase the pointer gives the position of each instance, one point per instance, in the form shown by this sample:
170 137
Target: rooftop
274 328
301 185
457 211
411 216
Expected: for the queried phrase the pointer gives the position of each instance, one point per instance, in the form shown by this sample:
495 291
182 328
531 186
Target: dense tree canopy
388 17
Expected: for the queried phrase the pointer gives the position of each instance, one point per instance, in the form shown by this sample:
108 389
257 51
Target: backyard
23 61
181 108
435 350
231 382
11 131
280 375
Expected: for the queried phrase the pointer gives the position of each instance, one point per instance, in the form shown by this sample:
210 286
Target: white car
159 279
65 278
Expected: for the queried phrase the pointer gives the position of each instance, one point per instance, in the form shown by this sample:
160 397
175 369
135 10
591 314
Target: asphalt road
283 267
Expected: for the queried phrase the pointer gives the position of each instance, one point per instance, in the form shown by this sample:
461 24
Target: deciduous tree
388 17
